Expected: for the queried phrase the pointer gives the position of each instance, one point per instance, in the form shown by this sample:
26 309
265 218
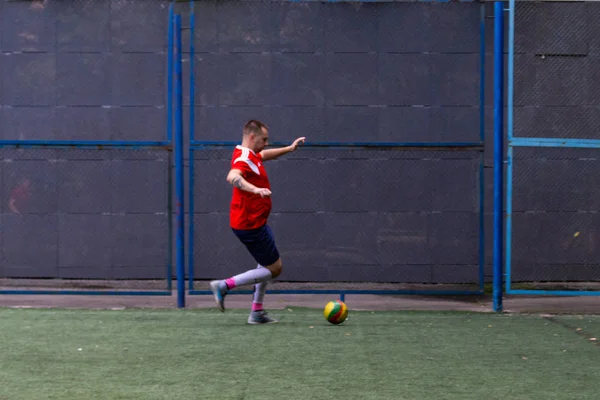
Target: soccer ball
335 312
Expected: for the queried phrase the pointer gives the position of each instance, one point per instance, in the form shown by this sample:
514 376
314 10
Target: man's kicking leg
259 277
253 276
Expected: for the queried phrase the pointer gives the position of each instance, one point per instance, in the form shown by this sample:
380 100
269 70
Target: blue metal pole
191 152
510 65
88 144
179 170
508 232
509 135
425 145
344 292
498 150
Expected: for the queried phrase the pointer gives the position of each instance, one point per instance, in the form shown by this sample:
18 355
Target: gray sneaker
260 317
219 294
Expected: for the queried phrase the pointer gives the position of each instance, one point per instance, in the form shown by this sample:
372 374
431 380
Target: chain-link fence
555 217
387 191
387 194
352 219
83 70
553 165
556 74
86 218
85 160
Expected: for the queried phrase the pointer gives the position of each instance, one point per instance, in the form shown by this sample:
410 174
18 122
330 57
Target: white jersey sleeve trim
245 157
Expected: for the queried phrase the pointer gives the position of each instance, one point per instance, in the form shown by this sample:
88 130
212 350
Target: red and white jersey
248 210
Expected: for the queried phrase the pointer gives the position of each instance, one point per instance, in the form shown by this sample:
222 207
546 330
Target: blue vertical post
191 152
169 138
498 150
179 168
509 135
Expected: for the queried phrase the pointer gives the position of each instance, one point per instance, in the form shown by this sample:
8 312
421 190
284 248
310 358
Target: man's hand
297 142
262 192
271 154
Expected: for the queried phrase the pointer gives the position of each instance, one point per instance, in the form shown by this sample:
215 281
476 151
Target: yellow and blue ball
336 312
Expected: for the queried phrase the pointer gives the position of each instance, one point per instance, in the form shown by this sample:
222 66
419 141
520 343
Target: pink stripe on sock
230 283
257 306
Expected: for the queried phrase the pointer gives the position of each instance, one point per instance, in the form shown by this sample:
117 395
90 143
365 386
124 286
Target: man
249 210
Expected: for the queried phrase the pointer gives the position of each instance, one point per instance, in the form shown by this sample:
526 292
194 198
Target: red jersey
249 210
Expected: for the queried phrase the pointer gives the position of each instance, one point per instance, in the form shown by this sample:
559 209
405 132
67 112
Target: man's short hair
254 126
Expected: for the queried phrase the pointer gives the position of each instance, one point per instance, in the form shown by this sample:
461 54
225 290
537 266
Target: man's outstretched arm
271 154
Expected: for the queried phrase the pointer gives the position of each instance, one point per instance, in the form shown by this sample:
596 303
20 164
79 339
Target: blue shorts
260 243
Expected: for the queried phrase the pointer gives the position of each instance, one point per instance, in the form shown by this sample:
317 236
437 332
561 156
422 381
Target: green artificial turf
203 354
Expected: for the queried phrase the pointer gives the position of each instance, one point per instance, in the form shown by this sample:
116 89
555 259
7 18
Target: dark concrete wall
343 72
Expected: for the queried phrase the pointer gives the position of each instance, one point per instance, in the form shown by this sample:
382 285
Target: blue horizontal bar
88 292
339 292
349 144
554 142
82 144
554 292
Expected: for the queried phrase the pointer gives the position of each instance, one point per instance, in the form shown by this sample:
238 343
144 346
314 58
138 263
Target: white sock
252 276
259 294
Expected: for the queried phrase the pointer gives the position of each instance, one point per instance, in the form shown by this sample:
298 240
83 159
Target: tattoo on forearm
237 182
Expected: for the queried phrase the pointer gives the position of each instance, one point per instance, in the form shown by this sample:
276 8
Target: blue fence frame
527 142
196 145
169 145
498 152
